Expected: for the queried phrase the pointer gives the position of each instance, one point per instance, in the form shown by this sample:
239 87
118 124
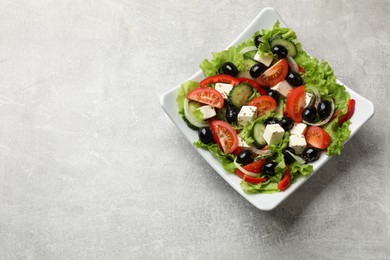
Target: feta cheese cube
298 129
298 143
265 60
224 89
309 98
207 111
283 88
242 143
246 114
273 133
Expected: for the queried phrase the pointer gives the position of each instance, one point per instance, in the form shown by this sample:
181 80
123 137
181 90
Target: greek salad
266 110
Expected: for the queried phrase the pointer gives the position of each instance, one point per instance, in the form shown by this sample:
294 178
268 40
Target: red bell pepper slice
254 84
349 114
285 181
250 179
252 167
254 180
219 78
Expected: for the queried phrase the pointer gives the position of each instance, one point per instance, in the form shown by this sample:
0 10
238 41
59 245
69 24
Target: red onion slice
293 64
248 49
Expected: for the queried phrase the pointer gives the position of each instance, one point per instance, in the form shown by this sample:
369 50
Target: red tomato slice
219 78
252 167
254 84
317 137
264 104
224 136
274 75
207 96
349 114
295 103
285 181
238 150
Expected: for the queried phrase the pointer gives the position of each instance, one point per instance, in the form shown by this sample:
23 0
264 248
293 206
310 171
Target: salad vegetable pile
266 110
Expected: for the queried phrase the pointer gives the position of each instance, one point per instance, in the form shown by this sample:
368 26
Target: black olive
274 94
205 135
324 108
269 168
231 113
271 121
245 157
230 69
310 154
287 156
294 79
286 123
257 69
280 51
309 114
257 40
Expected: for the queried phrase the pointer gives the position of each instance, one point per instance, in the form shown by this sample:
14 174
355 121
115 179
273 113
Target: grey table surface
92 168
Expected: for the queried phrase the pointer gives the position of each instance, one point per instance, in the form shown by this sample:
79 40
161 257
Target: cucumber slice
249 52
248 64
292 50
189 124
258 131
240 94
279 108
250 55
189 108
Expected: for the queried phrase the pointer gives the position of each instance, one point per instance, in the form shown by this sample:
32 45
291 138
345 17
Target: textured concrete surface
92 168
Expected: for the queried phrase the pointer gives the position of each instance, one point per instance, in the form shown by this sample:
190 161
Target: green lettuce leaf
265 187
338 135
225 159
320 76
184 89
277 151
213 67
300 168
246 133
276 32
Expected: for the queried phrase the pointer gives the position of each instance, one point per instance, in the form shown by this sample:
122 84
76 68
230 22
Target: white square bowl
364 110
